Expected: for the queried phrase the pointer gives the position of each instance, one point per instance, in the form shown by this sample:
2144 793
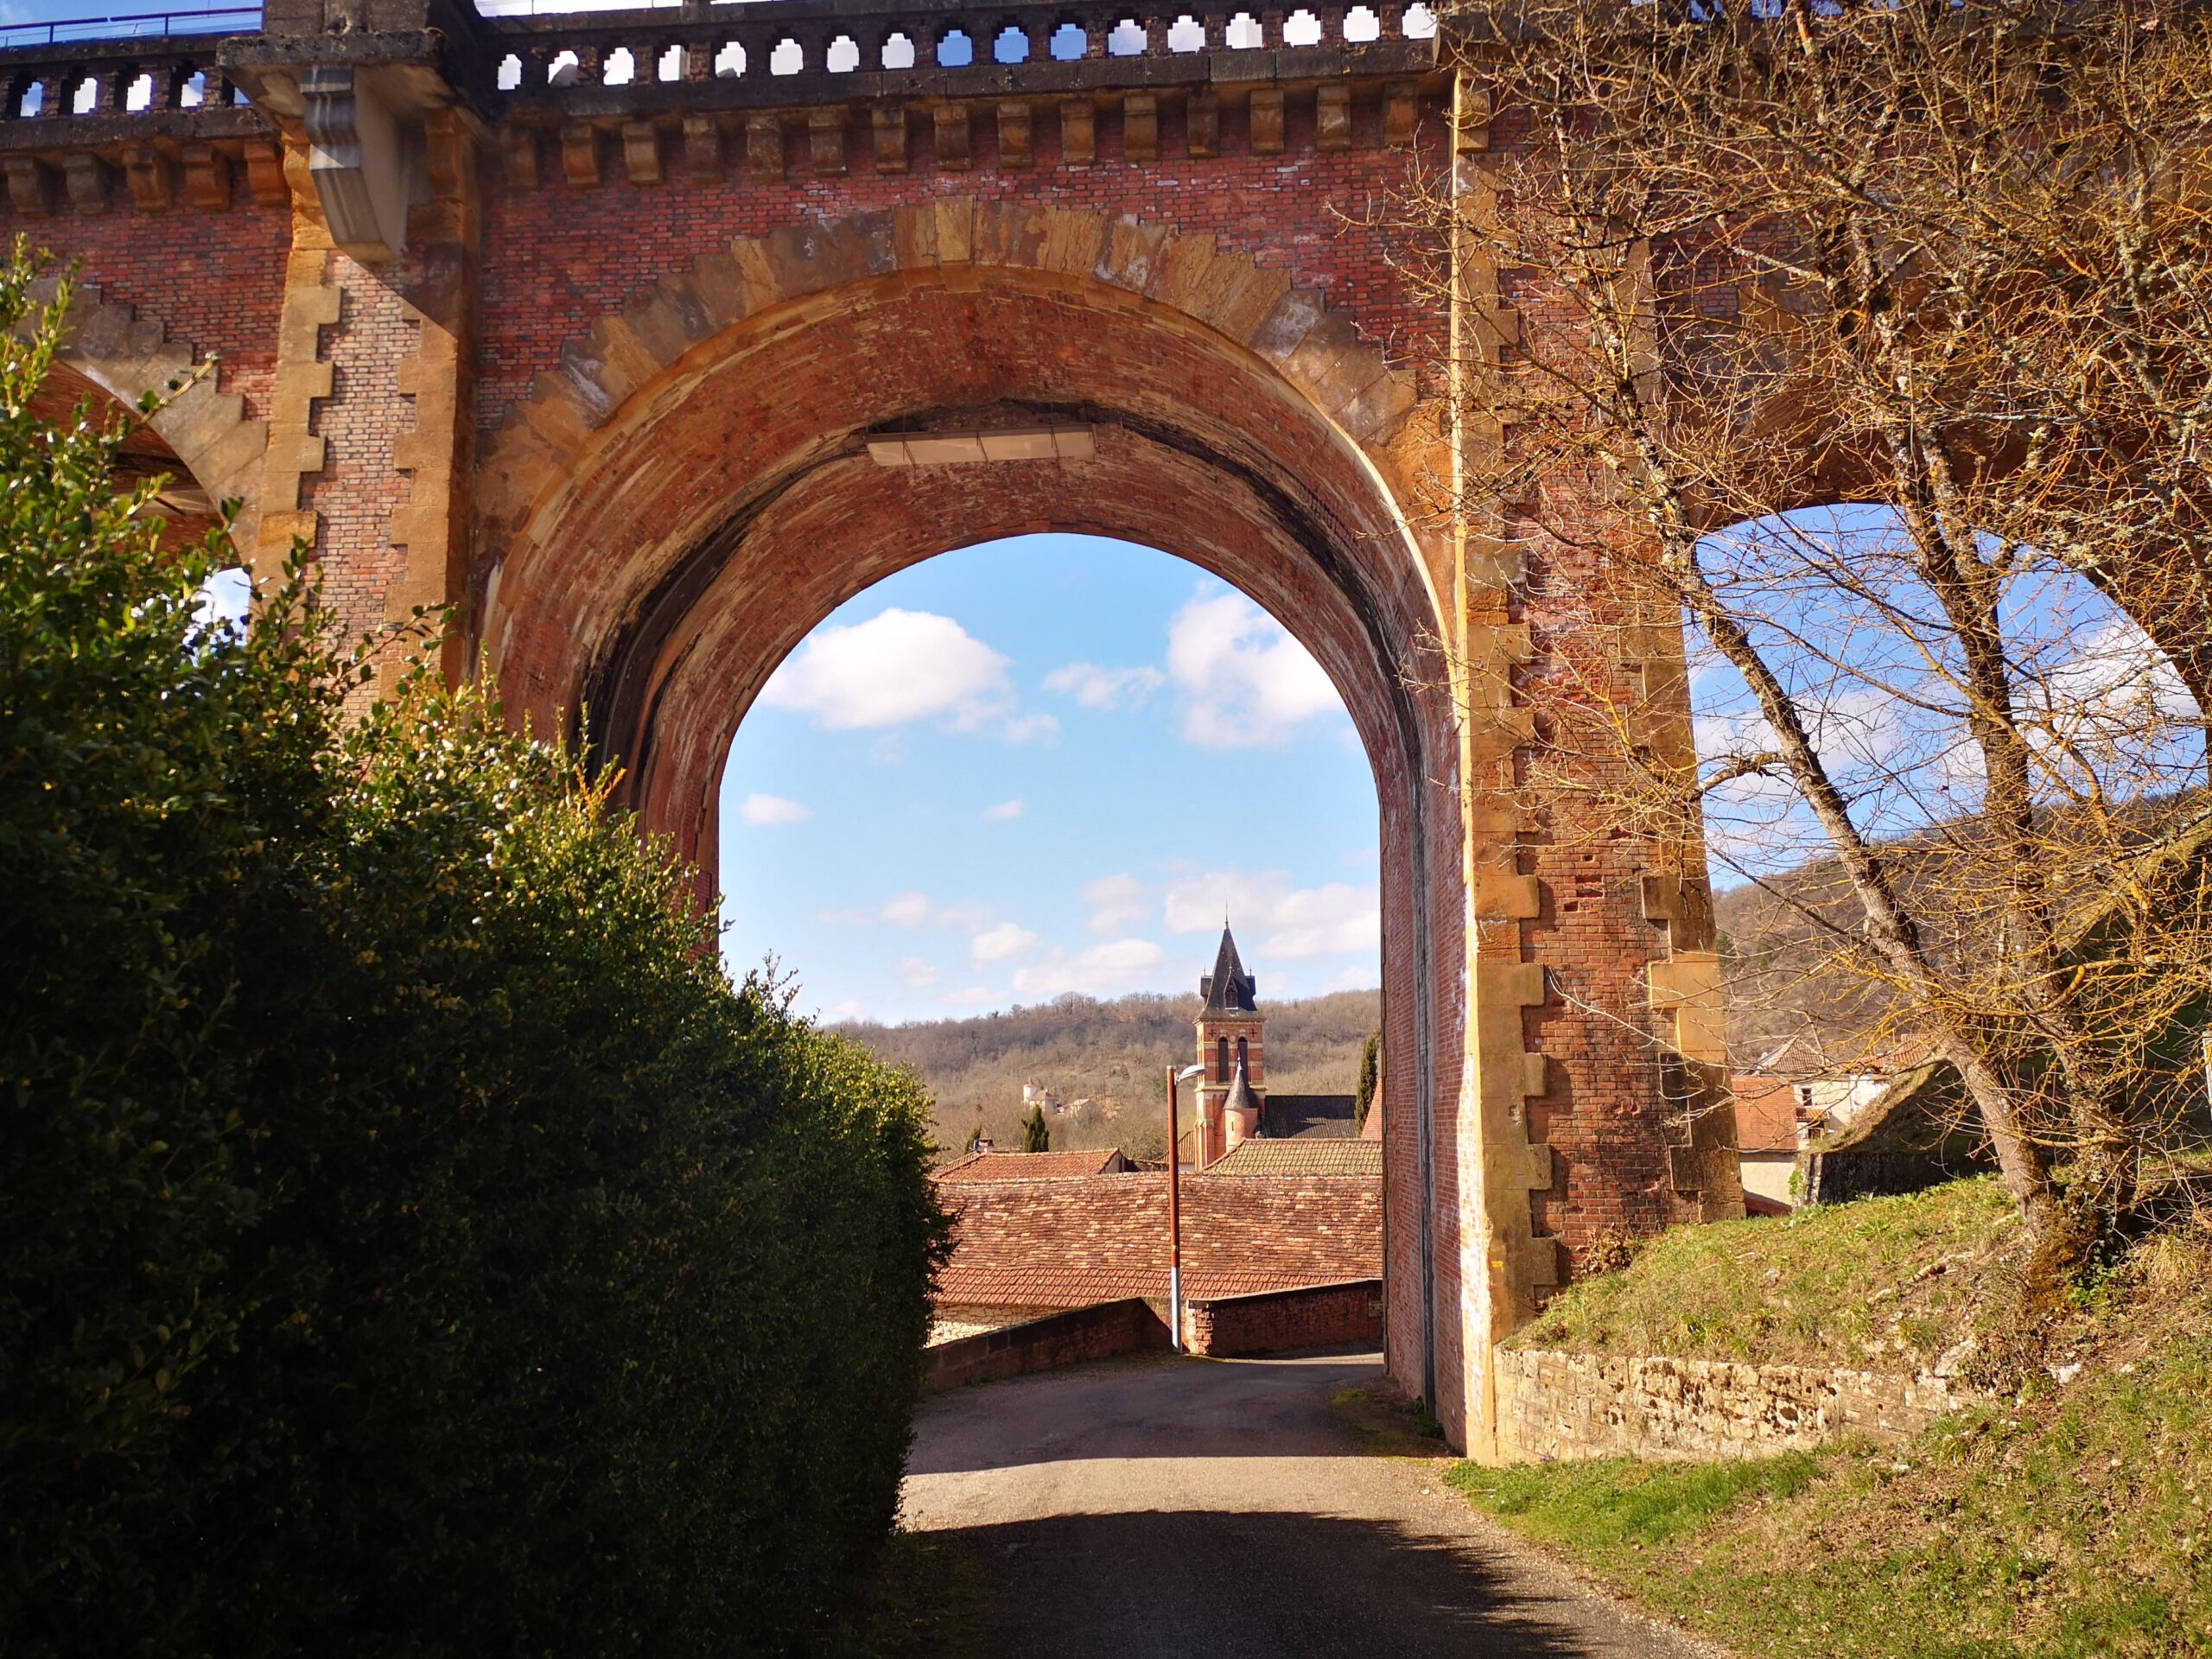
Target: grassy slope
2067 1521
1887 1284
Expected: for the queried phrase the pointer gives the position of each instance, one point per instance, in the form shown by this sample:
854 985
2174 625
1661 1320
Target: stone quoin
645 339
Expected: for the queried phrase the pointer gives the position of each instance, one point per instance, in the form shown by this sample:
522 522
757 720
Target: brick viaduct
600 328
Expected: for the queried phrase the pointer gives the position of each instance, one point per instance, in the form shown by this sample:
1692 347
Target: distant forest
1114 1055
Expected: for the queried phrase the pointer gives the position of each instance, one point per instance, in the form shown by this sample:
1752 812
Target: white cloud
907 910
1000 943
1004 813
1244 682
898 668
1104 689
1115 901
771 810
847 1009
911 910
1279 920
1102 970
919 972
2117 678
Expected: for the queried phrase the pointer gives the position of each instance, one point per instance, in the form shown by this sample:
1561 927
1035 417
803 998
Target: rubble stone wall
1554 1405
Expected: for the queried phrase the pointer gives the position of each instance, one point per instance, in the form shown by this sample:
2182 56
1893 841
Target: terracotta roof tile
1070 1243
1028 1165
1300 1158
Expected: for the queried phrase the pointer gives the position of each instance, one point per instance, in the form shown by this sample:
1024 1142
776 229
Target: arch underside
706 533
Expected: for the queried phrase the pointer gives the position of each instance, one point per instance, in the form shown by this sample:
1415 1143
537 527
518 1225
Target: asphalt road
1164 1507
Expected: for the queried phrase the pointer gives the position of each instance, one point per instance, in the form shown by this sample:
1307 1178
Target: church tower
1233 1091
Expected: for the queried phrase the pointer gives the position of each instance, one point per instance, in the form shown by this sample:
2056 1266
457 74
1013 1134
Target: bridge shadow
1156 1405
1273 1584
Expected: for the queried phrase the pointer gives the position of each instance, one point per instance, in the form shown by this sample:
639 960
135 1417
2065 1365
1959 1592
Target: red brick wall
1320 1316
556 259
212 279
357 490
1094 1332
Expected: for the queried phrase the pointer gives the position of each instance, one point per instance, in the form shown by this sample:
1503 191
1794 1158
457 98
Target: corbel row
762 138
158 175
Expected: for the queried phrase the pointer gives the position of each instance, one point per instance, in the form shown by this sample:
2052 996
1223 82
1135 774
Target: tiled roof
1068 1243
1766 1113
1307 1117
1300 1158
1028 1166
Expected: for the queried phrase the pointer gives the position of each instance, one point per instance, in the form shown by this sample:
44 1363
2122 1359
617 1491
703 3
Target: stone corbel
354 157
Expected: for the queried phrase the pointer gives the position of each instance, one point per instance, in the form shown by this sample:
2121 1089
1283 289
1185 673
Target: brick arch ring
204 427
634 510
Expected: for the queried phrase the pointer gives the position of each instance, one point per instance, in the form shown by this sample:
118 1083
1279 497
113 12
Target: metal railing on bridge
132 25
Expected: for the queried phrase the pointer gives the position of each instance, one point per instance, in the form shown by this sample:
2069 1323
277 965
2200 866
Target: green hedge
410 1240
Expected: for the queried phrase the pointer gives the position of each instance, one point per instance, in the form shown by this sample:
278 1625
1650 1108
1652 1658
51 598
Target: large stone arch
572 452
691 491
125 356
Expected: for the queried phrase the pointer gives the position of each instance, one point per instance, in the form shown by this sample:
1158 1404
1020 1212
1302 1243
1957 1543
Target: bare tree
1940 264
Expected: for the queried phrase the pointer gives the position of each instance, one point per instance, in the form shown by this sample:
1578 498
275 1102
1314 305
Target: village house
1276 1196
1770 1129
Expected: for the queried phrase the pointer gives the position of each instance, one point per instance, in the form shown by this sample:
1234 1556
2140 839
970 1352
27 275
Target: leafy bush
411 1242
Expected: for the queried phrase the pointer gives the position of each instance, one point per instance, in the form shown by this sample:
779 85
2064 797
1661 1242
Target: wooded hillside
1113 1054
1785 942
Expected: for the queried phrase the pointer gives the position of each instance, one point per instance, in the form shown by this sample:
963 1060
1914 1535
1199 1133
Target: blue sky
1046 765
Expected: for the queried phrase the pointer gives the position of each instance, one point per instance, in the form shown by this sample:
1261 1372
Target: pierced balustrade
1106 32
45 87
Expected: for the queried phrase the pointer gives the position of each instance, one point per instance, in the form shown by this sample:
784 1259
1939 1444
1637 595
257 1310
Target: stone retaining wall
1553 1405
1318 1316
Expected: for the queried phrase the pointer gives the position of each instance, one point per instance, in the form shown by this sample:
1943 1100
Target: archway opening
711 476
1991 843
995 812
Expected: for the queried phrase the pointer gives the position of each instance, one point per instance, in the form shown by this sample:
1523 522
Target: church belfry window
1222 1050
1241 1058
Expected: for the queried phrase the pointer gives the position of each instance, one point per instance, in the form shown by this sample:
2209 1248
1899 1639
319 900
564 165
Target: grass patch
1385 1423
1883 1284
2071 1521
1619 1503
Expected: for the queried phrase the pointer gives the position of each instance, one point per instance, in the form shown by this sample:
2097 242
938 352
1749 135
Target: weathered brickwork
358 488
1555 1405
1276 1322
558 257
1099 1332
598 361
215 280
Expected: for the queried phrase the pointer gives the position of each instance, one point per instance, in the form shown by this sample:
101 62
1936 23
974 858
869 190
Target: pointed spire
1240 1098
1229 989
